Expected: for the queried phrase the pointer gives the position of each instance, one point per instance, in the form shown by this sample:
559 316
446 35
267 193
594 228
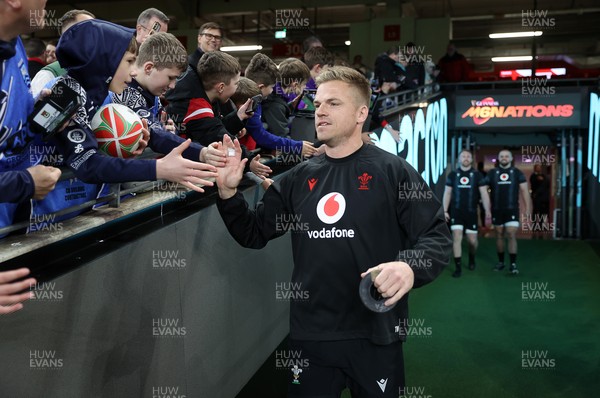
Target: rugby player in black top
464 186
506 182
356 222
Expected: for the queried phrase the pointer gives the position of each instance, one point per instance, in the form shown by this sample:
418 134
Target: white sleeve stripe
199 112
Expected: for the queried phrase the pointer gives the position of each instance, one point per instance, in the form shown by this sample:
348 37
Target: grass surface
475 330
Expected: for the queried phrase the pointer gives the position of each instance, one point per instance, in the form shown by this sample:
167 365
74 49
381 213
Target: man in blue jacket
17 182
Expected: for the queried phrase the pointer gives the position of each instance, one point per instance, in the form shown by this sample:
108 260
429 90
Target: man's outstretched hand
229 176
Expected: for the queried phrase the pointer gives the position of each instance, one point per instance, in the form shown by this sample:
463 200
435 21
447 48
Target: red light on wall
514 74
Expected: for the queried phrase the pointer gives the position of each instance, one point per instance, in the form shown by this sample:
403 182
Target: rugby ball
118 130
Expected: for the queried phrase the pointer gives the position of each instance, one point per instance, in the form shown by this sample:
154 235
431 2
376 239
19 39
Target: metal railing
113 198
504 84
396 102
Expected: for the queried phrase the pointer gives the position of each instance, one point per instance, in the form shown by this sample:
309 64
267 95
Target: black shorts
367 369
506 217
463 219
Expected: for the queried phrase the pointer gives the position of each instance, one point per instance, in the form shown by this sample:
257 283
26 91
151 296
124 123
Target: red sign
287 50
546 107
482 111
391 33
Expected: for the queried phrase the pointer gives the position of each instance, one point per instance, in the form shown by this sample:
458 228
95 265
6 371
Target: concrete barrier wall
184 312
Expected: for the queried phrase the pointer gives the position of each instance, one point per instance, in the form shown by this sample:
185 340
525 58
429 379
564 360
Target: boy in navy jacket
99 56
161 60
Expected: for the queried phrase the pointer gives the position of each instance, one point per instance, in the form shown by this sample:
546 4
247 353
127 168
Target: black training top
465 188
504 184
346 215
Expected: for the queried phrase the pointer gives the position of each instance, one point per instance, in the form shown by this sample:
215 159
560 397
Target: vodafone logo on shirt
331 209
504 179
464 180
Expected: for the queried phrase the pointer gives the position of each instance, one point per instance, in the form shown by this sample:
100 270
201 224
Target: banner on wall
594 136
592 181
512 108
423 140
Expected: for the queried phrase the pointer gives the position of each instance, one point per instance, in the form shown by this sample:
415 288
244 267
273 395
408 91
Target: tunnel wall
182 312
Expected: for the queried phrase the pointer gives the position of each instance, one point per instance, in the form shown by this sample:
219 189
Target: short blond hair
164 51
350 76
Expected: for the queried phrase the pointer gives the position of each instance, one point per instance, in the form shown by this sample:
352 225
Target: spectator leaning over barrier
263 72
54 70
318 59
100 56
415 67
161 59
388 72
196 100
264 139
277 108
